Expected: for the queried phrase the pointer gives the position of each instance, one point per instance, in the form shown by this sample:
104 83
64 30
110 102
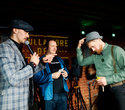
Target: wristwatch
34 64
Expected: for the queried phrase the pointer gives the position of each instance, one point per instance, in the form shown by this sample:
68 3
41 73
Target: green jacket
104 63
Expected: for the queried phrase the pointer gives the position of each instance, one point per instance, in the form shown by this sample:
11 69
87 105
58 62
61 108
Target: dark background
67 17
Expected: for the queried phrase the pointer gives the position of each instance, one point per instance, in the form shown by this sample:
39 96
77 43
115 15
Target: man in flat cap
109 61
15 73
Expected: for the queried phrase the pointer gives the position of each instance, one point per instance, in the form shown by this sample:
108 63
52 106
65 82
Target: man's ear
15 30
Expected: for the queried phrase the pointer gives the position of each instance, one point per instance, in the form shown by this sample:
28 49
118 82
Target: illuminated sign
38 42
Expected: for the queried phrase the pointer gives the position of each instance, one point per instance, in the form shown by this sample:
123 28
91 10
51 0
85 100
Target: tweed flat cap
93 35
20 24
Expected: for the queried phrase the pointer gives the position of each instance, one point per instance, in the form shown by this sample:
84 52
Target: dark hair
47 43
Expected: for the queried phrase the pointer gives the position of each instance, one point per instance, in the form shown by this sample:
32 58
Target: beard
99 51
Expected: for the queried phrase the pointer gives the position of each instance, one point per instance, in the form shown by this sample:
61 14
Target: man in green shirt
110 81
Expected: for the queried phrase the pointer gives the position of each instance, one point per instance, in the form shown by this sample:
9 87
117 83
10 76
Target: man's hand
64 74
56 75
48 58
102 81
35 58
81 42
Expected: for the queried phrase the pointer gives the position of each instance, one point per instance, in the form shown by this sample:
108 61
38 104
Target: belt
117 84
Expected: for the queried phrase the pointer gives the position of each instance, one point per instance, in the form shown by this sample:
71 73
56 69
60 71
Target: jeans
112 98
59 102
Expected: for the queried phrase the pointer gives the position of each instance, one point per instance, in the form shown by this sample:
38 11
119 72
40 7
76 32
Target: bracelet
34 64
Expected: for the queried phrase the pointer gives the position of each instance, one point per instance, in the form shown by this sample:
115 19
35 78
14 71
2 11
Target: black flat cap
20 24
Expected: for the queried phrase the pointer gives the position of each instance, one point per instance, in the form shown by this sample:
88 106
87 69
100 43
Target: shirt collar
106 45
104 48
18 45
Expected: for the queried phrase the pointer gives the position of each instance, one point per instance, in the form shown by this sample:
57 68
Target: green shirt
104 63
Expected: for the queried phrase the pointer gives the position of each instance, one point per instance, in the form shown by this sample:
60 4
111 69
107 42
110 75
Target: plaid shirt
14 78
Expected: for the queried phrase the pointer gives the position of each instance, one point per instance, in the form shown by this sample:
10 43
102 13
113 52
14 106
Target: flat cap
93 35
20 24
